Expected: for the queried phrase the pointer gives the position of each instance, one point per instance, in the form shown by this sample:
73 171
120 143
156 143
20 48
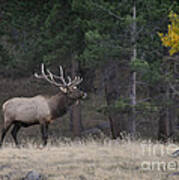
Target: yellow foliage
172 38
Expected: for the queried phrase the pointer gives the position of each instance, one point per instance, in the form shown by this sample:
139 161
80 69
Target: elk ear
63 89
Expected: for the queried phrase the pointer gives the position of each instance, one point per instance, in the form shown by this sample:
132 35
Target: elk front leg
44 131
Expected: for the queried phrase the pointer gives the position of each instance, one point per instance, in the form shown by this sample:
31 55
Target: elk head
69 88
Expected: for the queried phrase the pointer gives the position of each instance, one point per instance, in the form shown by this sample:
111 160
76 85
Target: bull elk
42 110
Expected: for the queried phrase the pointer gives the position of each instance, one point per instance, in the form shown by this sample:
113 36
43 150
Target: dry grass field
91 160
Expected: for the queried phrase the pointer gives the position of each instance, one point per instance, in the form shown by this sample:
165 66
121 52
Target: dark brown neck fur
59 104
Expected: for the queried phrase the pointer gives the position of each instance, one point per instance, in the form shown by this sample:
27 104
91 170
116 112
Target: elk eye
74 87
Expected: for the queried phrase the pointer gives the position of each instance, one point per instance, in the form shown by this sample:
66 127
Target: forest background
130 78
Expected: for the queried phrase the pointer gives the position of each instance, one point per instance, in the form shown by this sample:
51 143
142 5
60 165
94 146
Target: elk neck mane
59 104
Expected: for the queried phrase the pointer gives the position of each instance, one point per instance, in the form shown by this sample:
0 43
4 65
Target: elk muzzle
84 96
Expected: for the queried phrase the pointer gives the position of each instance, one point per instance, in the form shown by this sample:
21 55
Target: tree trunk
165 129
113 89
172 120
163 125
113 118
75 114
132 78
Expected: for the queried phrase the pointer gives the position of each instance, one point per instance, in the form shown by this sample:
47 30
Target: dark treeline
113 44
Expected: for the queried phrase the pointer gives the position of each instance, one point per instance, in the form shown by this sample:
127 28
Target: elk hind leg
14 132
4 131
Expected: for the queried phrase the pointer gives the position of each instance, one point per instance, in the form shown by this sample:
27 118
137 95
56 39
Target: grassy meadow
91 160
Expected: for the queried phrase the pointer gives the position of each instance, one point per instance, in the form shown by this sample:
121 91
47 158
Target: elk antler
77 80
50 77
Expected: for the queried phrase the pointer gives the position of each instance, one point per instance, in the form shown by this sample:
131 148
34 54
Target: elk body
24 112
